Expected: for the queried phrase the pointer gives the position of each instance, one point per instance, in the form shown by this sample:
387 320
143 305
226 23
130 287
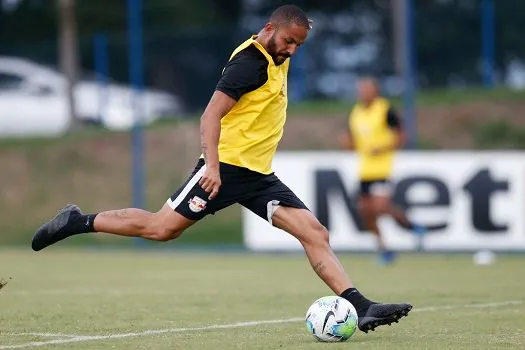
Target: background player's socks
360 302
419 230
387 257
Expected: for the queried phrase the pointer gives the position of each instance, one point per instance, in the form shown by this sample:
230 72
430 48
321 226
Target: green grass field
181 300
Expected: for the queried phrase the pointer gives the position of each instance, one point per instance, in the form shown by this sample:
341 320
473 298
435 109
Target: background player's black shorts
255 191
379 187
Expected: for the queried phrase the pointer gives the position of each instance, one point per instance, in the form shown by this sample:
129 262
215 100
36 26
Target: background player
375 131
240 130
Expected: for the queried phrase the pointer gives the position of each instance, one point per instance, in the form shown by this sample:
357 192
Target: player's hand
377 151
211 181
345 141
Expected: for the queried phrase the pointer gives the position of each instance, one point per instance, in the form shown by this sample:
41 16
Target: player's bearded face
279 56
284 41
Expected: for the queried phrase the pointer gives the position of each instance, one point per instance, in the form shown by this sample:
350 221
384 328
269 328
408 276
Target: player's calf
164 225
314 238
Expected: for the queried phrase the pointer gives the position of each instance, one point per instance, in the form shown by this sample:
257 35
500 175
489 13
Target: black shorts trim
260 193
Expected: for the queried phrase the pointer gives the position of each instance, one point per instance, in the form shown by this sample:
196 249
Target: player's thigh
268 194
365 204
278 205
380 193
366 210
192 201
169 222
381 204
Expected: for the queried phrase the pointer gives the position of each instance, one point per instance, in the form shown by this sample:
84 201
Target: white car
33 101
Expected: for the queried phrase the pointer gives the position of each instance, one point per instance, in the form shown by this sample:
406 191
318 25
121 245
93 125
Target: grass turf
99 293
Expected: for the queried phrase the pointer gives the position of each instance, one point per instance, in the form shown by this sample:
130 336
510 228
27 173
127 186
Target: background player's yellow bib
370 130
251 131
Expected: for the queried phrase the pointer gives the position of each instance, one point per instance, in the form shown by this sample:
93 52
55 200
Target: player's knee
365 213
162 233
166 234
324 235
366 210
381 206
318 235
368 216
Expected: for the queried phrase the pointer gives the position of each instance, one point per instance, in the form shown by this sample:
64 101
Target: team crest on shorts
197 204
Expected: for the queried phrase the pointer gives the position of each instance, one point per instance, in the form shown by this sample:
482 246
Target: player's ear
269 28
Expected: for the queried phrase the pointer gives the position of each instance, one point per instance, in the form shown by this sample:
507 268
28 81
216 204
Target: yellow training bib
251 131
369 129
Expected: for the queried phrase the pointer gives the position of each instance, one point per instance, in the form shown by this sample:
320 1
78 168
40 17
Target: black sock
81 224
90 222
360 302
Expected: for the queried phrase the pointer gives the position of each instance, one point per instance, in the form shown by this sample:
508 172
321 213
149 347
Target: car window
10 82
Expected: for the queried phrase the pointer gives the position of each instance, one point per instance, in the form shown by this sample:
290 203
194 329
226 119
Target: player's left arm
396 125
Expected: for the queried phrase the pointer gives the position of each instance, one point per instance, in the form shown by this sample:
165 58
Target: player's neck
260 38
368 103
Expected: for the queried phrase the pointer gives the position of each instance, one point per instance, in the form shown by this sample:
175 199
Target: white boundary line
86 338
43 335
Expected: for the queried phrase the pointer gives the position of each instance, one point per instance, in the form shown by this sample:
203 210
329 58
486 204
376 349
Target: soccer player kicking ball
240 129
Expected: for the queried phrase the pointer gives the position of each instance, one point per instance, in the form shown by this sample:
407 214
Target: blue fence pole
299 77
100 43
409 108
409 68
487 41
136 79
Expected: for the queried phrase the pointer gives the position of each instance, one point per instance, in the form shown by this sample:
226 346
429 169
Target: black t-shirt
245 72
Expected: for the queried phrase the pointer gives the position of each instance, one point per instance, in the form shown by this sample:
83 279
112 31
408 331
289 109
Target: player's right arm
220 104
246 72
345 137
346 141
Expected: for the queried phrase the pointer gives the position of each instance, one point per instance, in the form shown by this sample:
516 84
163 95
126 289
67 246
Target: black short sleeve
245 72
393 120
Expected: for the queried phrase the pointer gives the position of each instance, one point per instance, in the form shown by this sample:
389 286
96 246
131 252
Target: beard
278 58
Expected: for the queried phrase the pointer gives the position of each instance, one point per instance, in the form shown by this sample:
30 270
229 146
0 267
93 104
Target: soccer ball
484 257
331 319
